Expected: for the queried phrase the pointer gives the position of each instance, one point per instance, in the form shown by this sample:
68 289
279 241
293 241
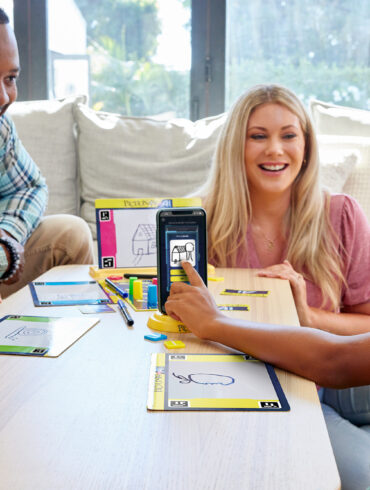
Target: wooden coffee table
80 421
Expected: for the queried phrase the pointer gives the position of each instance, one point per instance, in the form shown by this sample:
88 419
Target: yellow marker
218 279
137 289
174 344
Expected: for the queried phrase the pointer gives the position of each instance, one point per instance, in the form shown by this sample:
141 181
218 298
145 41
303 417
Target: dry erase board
126 229
41 336
213 382
67 293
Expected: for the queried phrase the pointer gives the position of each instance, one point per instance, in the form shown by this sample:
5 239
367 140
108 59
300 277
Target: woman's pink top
352 227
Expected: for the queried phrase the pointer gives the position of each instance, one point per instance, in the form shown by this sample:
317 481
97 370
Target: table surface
80 420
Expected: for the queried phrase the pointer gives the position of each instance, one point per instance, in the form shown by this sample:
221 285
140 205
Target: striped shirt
23 190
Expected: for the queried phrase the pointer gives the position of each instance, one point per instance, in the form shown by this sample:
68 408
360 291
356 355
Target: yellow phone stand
165 323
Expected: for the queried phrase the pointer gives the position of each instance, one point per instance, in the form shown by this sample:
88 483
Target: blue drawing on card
143 241
26 331
205 379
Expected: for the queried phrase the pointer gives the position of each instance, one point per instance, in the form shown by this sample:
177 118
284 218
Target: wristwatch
4 264
7 270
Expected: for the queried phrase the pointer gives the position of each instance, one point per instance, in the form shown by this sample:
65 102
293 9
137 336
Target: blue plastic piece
152 296
155 337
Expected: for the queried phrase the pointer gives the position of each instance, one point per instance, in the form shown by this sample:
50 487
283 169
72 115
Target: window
69 64
134 56
319 49
139 53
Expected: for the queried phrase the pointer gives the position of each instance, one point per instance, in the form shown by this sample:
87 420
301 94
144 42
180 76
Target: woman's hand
192 304
298 285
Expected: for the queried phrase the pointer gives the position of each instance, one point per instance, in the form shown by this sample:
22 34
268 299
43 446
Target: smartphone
181 235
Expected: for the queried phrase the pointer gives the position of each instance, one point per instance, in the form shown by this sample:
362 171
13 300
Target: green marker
131 287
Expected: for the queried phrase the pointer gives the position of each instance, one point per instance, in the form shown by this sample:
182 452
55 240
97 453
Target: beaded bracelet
15 259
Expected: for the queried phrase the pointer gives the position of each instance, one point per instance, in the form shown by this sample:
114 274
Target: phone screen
181 235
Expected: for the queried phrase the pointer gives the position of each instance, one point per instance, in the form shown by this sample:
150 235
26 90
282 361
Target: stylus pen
120 291
140 276
126 315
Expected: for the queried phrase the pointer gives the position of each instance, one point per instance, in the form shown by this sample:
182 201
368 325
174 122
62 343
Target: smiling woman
266 211
274 151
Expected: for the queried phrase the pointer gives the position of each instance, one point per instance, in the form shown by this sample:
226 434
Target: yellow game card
213 382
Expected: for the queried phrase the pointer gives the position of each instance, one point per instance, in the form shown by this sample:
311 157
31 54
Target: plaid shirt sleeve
23 191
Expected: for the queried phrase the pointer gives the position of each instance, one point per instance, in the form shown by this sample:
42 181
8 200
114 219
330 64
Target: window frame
31 31
207 84
208 47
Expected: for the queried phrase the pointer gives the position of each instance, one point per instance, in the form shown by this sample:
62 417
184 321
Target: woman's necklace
269 242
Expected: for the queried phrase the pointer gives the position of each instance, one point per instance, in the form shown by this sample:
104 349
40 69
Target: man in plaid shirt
29 245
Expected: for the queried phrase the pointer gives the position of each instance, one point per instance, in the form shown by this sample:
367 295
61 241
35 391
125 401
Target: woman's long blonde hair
312 247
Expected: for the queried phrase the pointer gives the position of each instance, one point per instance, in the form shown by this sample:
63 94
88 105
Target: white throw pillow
141 156
334 119
338 164
335 172
345 129
46 129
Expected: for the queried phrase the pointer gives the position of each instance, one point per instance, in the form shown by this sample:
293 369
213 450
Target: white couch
86 154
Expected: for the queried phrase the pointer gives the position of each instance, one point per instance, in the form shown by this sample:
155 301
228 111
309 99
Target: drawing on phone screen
182 250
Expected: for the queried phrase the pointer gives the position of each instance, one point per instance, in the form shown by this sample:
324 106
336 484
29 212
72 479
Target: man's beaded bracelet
15 259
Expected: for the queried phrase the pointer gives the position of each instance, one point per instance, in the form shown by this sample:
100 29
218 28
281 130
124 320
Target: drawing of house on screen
143 240
182 252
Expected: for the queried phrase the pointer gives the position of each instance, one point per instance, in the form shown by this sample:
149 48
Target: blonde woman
266 210
265 207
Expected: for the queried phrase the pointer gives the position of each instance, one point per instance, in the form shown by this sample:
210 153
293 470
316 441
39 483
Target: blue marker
120 291
126 315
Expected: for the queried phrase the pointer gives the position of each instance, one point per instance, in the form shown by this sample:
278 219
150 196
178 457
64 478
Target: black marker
126 315
140 276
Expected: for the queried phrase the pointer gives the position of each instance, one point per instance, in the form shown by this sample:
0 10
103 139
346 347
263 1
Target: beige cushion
46 130
140 156
355 182
345 129
340 120
335 171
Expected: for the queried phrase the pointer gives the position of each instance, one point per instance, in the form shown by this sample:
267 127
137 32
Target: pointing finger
193 276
